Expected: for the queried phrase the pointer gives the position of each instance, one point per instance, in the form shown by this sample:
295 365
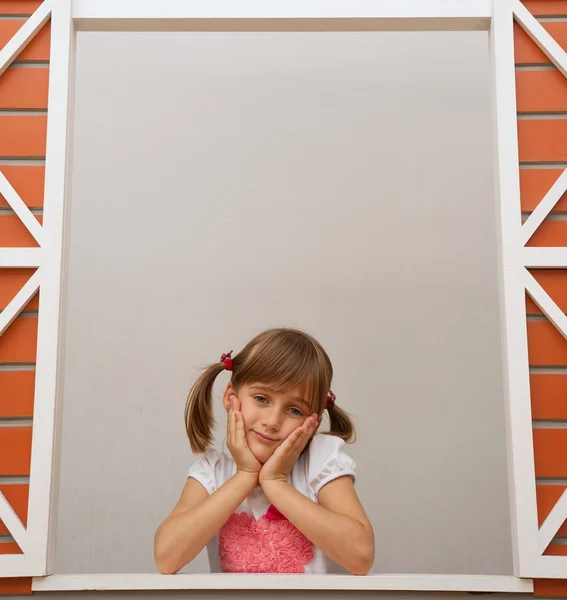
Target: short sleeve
328 460
204 470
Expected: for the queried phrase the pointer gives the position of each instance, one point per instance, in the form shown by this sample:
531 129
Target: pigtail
341 424
199 418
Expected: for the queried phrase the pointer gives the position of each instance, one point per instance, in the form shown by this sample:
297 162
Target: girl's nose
272 419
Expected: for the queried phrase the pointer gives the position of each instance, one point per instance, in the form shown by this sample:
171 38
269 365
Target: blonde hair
281 357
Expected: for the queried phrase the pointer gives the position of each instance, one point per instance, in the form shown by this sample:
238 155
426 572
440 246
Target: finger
312 420
308 429
304 438
288 443
309 421
239 428
291 443
231 423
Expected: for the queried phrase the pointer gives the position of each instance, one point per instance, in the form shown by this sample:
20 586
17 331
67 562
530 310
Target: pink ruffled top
266 545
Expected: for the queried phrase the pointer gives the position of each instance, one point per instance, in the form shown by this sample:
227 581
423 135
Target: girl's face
270 416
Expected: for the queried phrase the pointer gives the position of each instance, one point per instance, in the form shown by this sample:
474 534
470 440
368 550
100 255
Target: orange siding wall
23 92
541 92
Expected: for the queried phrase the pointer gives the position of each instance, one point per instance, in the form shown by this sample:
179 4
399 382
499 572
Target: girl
283 501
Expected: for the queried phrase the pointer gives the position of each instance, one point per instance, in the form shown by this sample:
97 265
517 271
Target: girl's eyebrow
261 388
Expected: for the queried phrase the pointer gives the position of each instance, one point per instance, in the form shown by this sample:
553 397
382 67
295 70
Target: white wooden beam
553 522
544 258
12 522
547 567
229 581
18 565
19 207
547 306
19 301
20 258
519 436
281 15
544 207
44 469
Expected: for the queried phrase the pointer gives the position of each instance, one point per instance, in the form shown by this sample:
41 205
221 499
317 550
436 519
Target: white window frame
70 16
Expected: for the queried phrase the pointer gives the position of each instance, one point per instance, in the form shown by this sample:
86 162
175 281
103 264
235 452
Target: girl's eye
296 412
261 399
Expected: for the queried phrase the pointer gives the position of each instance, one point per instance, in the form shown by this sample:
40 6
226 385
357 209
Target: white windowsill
151 581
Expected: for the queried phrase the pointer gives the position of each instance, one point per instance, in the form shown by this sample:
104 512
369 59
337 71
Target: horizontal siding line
22 162
17 367
27 313
15 422
536 317
560 539
14 17
541 116
6 210
547 424
549 369
28 112
535 67
552 481
552 18
29 64
558 216
538 165
6 539
30 160
14 479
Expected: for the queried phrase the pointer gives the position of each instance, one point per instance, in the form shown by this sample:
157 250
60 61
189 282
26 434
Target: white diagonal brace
551 525
13 523
19 301
24 35
546 304
540 36
19 207
544 208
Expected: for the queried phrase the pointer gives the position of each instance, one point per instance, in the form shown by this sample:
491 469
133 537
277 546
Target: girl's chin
260 456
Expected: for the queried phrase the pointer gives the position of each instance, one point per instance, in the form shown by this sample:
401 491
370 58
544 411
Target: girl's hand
282 460
236 440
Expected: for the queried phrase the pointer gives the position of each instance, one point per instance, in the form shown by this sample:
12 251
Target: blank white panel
224 183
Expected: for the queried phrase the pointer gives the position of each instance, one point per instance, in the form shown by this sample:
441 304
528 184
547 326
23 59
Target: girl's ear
228 392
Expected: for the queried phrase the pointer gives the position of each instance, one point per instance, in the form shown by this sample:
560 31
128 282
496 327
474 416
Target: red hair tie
227 360
330 400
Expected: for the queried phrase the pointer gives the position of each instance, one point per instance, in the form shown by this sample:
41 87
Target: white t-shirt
258 540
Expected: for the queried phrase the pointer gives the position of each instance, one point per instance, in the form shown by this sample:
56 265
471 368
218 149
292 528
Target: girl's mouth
264 438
